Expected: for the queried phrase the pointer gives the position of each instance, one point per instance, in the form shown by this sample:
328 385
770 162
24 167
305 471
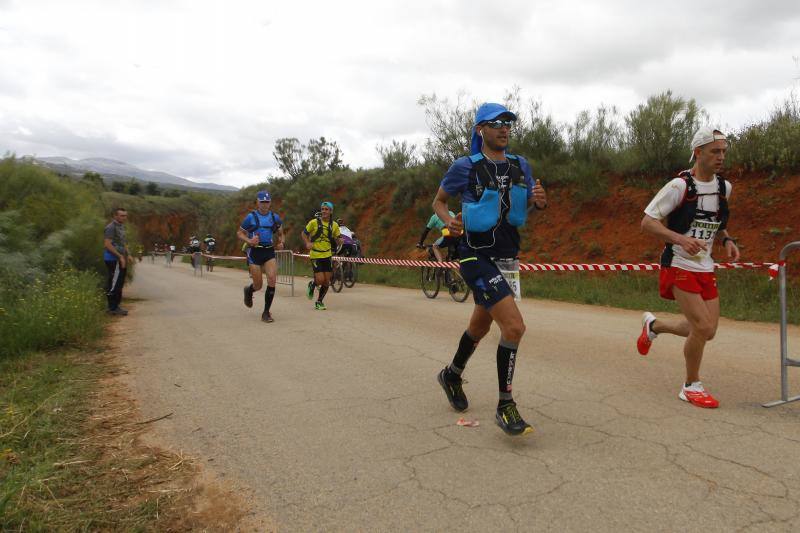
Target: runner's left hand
539 195
733 251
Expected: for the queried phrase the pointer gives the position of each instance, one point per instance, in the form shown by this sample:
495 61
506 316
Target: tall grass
65 309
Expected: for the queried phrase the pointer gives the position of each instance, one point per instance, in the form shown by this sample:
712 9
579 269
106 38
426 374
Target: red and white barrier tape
535 267
529 267
772 268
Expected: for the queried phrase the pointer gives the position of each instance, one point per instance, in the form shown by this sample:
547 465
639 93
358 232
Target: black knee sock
506 357
466 347
268 298
322 290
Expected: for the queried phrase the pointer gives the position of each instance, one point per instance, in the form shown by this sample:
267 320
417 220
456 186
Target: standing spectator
116 256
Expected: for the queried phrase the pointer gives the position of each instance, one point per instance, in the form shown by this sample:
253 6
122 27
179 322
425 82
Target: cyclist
210 243
258 231
497 190
445 241
349 248
321 236
194 247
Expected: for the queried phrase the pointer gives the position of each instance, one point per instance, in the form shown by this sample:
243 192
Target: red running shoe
696 394
647 336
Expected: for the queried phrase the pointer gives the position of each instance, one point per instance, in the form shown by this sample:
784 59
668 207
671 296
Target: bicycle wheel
349 274
337 278
456 286
430 281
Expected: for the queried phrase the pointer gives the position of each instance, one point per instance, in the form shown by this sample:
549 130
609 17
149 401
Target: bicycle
350 268
432 278
337 277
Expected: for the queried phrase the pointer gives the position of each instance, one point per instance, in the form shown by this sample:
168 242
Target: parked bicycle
433 278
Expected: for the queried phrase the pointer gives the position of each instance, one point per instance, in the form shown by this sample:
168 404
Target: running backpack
320 229
260 226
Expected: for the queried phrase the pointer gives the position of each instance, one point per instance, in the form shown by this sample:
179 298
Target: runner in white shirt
688 214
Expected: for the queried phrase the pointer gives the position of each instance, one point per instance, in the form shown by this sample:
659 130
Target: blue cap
329 205
486 112
263 196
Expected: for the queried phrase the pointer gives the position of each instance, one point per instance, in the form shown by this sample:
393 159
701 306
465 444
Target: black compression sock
506 359
322 291
268 298
466 347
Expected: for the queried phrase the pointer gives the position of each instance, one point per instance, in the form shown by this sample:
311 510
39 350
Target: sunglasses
264 201
497 124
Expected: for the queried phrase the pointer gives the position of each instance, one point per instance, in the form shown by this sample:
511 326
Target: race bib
509 268
704 230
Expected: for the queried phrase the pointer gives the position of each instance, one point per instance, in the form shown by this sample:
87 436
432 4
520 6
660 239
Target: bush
773 144
67 309
659 133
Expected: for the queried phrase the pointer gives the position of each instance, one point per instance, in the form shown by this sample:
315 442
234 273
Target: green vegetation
50 259
65 309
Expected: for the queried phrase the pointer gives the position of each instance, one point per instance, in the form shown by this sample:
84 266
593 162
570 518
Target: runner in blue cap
497 191
259 230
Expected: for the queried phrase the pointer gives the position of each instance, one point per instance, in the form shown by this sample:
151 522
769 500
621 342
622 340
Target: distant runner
259 230
497 191
695 207
321 237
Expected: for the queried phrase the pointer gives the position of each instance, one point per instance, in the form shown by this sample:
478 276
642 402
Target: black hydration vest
482 177
680 220
320 229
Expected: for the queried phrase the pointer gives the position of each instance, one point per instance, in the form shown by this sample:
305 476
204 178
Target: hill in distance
113 170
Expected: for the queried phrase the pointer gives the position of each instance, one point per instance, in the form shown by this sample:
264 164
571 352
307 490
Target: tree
451 126
134 188
152 189
660 130
94 178
317 157
118 186
398 155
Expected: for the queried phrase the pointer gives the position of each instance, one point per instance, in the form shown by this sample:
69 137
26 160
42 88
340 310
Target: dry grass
79 458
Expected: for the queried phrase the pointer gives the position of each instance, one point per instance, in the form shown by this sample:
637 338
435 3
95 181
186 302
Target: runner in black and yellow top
262 232
321 236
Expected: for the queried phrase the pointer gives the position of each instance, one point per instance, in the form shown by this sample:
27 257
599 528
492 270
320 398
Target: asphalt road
333 420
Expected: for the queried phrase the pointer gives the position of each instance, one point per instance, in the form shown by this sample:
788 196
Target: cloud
204 90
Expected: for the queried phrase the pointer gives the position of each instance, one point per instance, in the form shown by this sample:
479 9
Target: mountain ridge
115 170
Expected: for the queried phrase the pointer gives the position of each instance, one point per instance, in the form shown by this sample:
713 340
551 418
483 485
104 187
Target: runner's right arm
454 224
655 227
241 233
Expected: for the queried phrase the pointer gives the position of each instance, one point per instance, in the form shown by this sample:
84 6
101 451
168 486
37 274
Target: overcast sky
202 89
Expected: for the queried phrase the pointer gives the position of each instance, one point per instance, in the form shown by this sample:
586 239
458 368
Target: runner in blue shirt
259 230
497 191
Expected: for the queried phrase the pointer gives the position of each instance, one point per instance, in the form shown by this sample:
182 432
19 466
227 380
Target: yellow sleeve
336 232
311 227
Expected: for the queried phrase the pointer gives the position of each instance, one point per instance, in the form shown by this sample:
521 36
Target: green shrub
66 309
659 133
773 144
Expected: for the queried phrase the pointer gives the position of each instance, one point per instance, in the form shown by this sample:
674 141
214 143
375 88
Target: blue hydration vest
265 230
485 214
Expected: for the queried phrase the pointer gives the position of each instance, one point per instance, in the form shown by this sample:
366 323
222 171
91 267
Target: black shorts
322 265
260 255
484 278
